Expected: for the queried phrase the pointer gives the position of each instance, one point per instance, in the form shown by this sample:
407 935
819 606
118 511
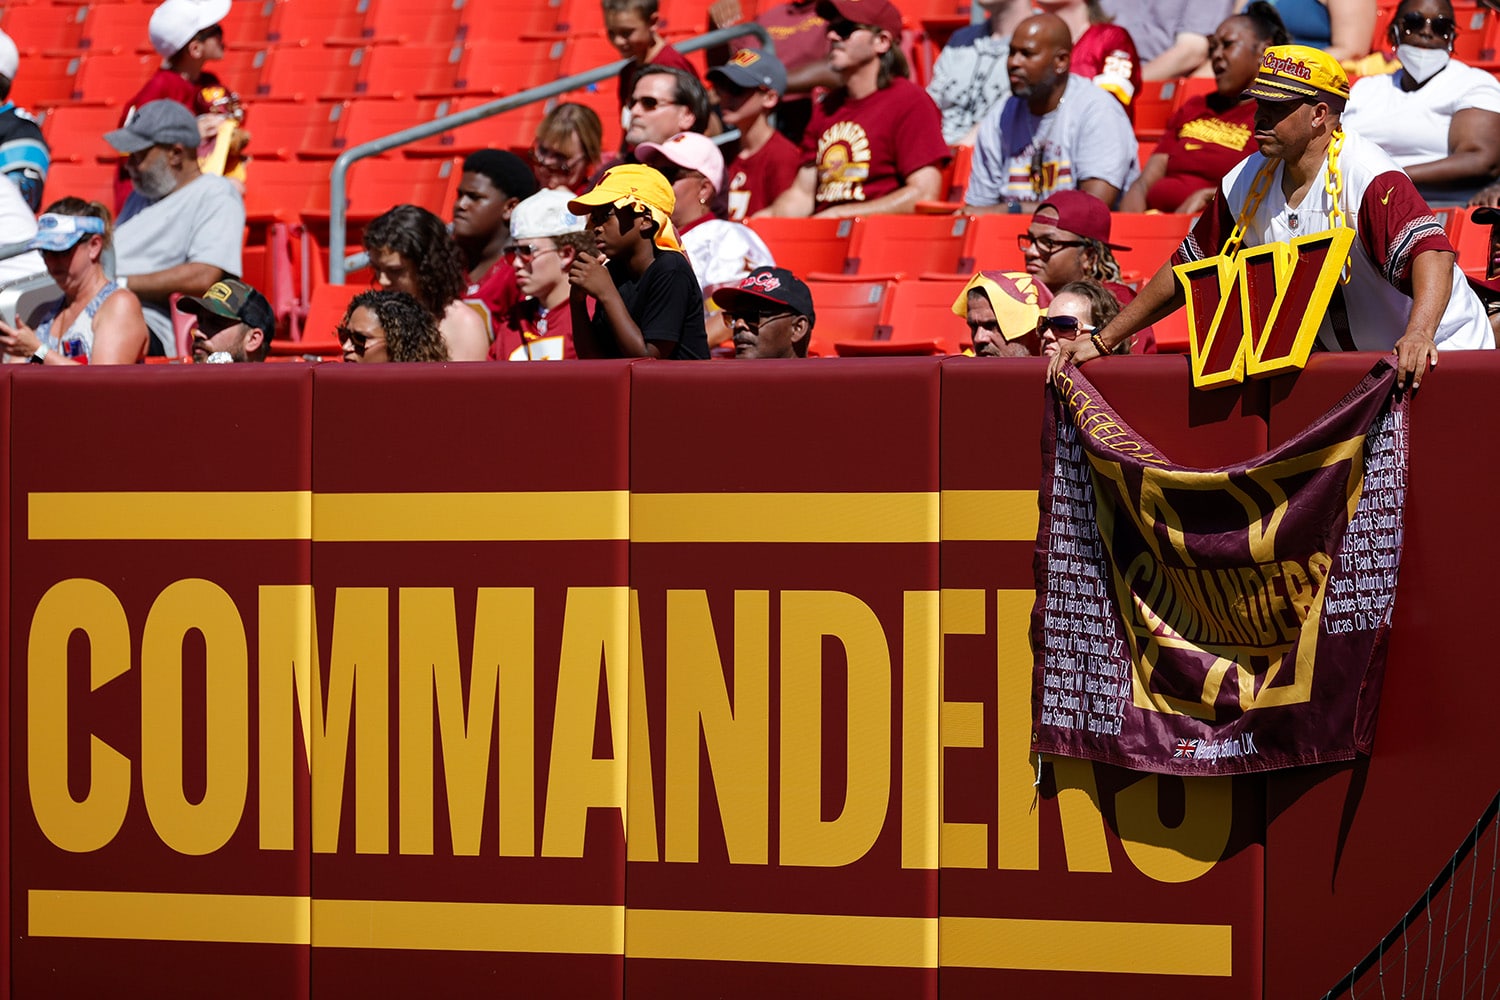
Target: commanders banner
1216 621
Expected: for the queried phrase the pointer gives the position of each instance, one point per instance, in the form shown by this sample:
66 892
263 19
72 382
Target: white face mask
1422 64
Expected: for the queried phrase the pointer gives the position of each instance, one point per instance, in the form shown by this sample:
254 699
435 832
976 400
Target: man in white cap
544 240
186 34
180 231
24 156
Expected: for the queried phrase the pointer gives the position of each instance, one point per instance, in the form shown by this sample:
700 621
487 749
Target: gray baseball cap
753 69
158 123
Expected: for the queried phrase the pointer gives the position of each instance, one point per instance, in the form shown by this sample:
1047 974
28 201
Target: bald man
1056 132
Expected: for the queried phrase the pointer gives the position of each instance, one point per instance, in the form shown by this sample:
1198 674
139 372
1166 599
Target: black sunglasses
1411 22
650 103
755 317
845 29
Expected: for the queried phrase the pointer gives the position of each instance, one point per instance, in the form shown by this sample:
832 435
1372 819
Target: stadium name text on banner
1216 621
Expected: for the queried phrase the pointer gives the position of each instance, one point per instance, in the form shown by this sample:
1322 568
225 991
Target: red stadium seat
240 70
117 27
279 191
847 311
1151 237
324 314
308 73
76 132
580 17
392 23
1472 241
319 22
806 245
514 128
113 77
410 70
248 25
990 244
921 312
47 82
286 131
87 179
484 22
55 31
365 120
901 245
509 65
1153 106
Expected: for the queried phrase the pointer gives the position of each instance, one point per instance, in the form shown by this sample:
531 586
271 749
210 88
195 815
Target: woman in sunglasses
1068 240
1077 310
383 326
1438 118
568 146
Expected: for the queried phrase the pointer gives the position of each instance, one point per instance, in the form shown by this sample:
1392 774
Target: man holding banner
1404 291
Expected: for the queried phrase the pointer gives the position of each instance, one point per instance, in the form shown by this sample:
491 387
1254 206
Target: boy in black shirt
649 302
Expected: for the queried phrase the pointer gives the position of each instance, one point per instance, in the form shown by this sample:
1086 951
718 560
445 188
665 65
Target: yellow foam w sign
1257 313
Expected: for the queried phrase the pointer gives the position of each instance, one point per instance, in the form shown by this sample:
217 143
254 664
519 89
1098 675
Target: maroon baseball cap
876 13
1080 212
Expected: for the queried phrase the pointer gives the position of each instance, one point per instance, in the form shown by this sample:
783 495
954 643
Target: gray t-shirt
1020 156
1155 24
202 223
968 79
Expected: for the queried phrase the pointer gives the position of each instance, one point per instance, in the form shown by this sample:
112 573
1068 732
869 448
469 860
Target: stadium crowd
1299 116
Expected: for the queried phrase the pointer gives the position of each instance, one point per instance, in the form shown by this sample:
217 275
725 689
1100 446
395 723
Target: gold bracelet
1098 343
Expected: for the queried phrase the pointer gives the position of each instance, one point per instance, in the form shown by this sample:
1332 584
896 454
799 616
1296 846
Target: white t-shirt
202 223
17 225
722 253
1412 126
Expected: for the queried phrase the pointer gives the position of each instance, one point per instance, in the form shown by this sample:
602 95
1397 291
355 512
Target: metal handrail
338 210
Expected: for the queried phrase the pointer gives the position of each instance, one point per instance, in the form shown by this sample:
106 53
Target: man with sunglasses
186 34
875 144
1404 293
770 314
492 184
1437 117
665 101
545 239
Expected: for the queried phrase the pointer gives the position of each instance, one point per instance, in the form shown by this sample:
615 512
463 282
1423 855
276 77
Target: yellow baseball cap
1297 72
1017 298
635 186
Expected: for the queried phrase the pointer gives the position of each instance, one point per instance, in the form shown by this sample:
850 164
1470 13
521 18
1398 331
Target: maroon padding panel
1035 863
847 428
5 781
1350 848
459 432
182 431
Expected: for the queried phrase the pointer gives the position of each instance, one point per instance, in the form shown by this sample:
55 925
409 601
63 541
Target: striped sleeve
1208 234
1395 225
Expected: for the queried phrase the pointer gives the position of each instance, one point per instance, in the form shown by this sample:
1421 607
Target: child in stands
649 305
631 26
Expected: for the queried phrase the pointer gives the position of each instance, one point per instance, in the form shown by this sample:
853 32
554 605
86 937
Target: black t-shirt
665 302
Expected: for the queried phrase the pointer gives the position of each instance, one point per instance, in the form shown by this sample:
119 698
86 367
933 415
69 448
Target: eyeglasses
553 160
356 338
1045 245
1066 327
526 252
754 318
1411 22
845 29
650 103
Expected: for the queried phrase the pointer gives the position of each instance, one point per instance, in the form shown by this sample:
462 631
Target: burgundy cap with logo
876 13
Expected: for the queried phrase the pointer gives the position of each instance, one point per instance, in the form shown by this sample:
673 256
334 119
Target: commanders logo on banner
1216 621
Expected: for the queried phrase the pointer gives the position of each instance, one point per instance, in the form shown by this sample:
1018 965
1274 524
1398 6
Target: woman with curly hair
411 251
382 326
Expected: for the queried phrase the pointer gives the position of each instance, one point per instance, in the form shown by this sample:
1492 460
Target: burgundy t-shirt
866 148
1106 54
494 296
800 36
755 181
668 56
1202 145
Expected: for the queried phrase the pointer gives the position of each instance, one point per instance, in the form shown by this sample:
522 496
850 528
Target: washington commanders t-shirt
866 148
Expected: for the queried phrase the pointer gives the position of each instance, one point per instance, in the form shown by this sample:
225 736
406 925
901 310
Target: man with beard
180 231
1056 132
1001 309
493 183
233 323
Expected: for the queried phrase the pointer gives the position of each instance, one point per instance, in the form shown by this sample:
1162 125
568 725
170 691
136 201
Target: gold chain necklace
1262 183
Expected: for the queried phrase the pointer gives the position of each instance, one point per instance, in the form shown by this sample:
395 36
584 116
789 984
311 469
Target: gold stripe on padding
1086 946
579 515
784 517
245 515
791 938
989 515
